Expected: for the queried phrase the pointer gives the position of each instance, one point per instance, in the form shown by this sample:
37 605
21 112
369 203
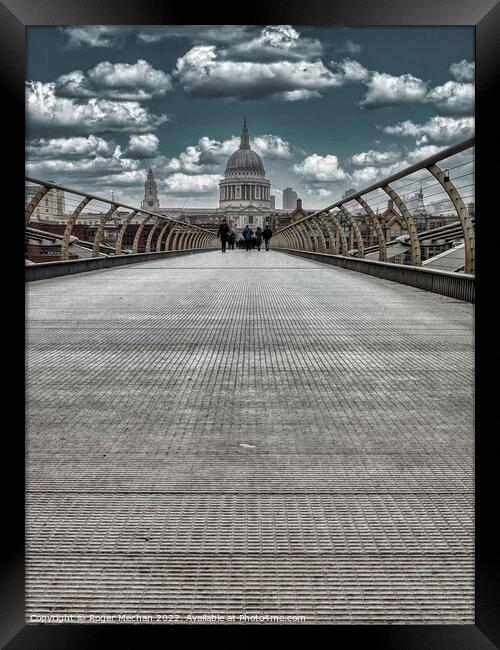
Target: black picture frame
15 15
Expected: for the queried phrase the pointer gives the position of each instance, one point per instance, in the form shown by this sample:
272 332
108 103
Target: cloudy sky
327 108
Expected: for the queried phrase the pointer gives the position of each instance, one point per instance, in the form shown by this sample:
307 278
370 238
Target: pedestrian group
249 240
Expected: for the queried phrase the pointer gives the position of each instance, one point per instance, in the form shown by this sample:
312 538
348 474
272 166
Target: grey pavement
248 434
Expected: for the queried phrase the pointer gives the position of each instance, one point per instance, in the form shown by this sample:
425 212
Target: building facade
150 200
289 200
51 208
244 194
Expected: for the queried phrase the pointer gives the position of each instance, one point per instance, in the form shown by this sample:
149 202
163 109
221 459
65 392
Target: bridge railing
366 219
107 227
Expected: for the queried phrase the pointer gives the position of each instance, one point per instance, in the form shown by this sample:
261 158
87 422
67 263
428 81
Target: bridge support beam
28 211
99 232
332 239
357 232
463 215
301 244
69 228
321 236
121 233
411 225
135 247
170 236
309 234
382 248
340 233
150 236
161 235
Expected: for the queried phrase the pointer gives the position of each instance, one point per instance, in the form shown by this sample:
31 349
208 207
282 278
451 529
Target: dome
244 160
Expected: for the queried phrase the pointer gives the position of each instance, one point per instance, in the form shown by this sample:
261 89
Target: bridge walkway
250 433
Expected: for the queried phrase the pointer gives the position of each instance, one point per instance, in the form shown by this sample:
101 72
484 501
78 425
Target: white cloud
275 42
348 47
350 70
421 153
77 147
180 183
199 34
453 97
373 157
47 110
384 89
321 192
320 168
463 70
209 154
298 95
122 81
437 129
143 146
366 176
201 72
271 147
95 36
90 167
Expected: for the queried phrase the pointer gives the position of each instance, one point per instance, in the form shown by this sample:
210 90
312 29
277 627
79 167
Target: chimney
299 204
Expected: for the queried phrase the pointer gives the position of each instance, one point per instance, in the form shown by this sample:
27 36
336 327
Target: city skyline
327 108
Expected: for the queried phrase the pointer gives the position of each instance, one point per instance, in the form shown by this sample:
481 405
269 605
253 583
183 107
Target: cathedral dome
244 160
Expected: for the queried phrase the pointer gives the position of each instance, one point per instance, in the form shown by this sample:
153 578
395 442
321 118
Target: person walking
247 236
231 240
223 234
258 237
267 234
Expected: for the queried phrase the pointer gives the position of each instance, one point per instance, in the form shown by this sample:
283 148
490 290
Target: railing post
334 243
69 228
382 247
99 232
135 247
463 215
121 233
357 232
150 236
28 211
341 234
160 236
411 225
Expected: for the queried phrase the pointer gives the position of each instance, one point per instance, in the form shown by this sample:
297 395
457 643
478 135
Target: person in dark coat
247 236
231 240
223 234
267 234
258 237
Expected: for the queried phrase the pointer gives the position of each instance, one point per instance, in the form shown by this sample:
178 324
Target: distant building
51 208
282 219
273 202
289 198
150 200
244 193
348 192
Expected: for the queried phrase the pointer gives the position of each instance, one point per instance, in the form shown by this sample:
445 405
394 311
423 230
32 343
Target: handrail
431 160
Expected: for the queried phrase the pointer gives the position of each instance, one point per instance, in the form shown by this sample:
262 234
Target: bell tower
150 201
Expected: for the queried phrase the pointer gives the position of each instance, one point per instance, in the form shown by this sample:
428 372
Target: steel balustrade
192 236
298 235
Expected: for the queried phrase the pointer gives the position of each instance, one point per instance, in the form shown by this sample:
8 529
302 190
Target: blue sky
327 108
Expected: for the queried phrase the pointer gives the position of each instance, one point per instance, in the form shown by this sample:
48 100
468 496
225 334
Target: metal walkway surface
248 434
